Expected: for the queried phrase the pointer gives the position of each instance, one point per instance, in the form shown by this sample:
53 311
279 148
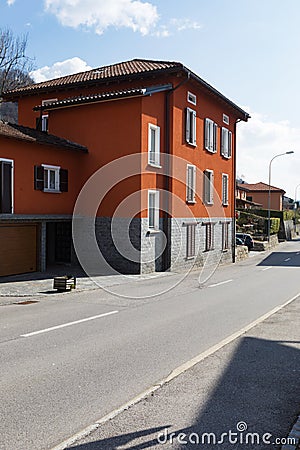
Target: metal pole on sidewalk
269 193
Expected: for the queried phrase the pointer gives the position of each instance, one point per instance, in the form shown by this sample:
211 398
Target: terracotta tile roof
123 69
19 132
127 70
259 187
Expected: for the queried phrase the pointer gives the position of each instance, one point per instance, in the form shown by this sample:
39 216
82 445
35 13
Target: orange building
157 186
259 194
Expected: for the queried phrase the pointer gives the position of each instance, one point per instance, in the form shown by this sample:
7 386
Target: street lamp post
269 193
295 207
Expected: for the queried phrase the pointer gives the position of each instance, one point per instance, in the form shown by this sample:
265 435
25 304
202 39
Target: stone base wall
144 250
179 260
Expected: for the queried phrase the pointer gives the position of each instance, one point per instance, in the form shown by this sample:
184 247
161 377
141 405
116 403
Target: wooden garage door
18 249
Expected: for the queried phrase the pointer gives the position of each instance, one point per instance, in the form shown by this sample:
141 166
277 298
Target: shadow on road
282 259
257 397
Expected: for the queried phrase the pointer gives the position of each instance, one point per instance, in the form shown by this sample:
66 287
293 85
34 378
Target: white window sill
226 157
52 191
210 151
225 204
191 202
153 231
191 144
156 166
188 258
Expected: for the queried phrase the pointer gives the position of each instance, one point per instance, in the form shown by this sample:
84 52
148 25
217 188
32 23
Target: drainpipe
234 190
166 257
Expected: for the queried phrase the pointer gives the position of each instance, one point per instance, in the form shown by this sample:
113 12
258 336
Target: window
191 98
190 183
190 130
153 145
190 240
50 178
42 123
225 189
45 118
208 186
226 119
210 136
6 186
226 143
153 210
209 235
225 235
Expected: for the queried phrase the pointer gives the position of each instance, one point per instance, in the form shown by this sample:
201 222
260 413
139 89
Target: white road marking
175 373
267 268
68 324
287 259
219 284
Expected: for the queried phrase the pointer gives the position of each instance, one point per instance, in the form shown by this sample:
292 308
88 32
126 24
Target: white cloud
10 2
100 14
185 24
258 141
59 69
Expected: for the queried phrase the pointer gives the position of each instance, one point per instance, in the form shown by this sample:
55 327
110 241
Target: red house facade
175 199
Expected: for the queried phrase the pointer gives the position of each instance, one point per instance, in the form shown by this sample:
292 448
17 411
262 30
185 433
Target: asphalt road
66 361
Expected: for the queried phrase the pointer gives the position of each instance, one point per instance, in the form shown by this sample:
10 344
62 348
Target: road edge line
174 374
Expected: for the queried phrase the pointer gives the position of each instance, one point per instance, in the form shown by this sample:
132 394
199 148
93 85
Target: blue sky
247 50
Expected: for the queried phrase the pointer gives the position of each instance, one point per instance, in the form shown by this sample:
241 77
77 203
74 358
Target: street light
269 196
295 207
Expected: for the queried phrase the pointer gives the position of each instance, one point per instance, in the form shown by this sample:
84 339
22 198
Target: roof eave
14 95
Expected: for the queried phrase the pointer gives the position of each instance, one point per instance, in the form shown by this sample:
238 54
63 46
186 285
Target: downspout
234 194
167 178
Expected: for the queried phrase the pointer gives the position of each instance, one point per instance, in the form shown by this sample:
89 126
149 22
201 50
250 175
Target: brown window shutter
5 187
39 178
63 177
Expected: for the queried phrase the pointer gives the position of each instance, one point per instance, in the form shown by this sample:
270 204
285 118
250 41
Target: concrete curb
294 435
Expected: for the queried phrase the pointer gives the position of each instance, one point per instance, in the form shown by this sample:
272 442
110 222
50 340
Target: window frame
225 193
11 161
192 98
191 240
156 129
190 131
209 236
226 119
208 196
225 235
155 226
210 135
191 183
47 168
226 138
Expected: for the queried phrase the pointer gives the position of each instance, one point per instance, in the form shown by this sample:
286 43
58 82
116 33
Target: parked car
246 239
238 241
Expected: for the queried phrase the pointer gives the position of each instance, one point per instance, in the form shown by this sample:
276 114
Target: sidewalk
250 385
17 288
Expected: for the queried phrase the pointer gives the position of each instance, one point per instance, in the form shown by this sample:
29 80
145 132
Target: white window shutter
194 183
157 153
215 137
223 138
187 126
206 134
229 144
194 127
211 192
